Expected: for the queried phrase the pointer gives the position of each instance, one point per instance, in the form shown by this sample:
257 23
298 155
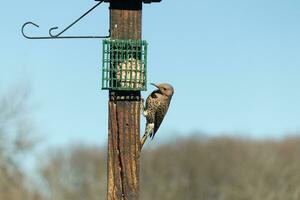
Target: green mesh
124 65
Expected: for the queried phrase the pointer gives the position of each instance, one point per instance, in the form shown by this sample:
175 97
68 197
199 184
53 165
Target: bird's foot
150 129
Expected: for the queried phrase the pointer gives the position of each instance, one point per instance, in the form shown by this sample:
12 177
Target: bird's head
165 88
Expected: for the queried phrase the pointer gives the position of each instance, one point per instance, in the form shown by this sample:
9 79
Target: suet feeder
124 65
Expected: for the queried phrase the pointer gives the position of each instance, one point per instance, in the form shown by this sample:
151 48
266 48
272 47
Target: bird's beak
154 85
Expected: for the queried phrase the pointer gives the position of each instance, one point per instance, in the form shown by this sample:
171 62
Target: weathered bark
124 113
123 149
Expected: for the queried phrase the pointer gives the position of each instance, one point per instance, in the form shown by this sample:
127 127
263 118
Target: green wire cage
124 65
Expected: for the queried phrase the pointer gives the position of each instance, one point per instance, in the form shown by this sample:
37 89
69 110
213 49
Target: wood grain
124 113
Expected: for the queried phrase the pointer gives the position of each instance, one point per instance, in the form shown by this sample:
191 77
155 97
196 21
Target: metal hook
29 37
52 35
57 36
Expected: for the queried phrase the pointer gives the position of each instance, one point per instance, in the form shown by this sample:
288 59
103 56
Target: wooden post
124 112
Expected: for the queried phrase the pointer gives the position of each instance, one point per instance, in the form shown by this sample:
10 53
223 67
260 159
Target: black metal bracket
58 35
151 1
144 1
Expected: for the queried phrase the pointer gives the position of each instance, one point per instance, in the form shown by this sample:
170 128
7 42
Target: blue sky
235 66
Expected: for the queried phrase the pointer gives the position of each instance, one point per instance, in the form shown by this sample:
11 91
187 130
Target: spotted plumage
157 104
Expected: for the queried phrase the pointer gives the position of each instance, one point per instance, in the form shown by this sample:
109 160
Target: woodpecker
157 104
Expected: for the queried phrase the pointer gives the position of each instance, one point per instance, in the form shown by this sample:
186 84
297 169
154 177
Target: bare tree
76 172
15 141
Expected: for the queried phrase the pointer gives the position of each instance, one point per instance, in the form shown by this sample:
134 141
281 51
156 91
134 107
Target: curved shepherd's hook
57 36
29 37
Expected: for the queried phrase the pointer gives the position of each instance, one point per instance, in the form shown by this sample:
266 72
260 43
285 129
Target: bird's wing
159 116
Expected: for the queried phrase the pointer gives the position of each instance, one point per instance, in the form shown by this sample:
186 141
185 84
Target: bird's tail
143 140
148 131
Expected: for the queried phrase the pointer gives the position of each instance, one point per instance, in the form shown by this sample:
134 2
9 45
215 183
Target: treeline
222 169
189 168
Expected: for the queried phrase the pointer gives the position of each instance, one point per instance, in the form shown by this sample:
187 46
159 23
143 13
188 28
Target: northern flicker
157 104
